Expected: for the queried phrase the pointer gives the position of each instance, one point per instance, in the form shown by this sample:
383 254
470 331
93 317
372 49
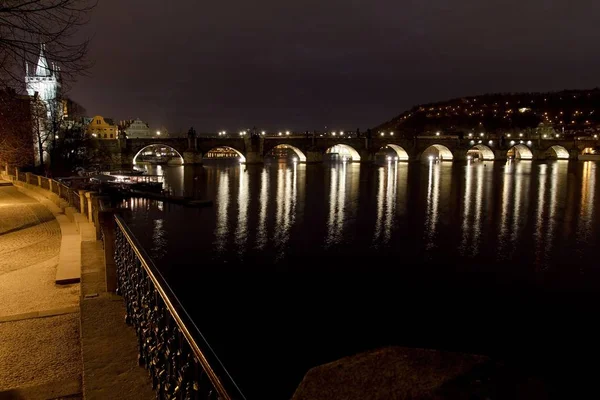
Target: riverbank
59 340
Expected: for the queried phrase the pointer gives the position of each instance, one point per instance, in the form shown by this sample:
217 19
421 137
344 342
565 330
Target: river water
297 265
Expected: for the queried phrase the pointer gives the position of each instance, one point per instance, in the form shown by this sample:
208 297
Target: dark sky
344 64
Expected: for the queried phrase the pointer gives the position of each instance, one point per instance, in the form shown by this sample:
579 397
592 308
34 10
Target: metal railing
178 357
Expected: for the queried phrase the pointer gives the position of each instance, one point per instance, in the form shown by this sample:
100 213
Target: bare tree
24 24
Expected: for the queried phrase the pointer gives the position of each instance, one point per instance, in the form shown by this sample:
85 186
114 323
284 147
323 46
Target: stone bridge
312 149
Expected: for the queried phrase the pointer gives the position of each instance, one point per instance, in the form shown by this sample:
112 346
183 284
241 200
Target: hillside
568 112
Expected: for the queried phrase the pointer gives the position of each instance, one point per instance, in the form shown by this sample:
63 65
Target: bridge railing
178 357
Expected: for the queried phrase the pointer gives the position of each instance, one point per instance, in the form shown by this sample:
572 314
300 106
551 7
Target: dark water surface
298 265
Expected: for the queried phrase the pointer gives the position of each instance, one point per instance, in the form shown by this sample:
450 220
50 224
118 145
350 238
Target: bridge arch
159 145
520 152
437 152
343 152
224 153
299 155
557 152
481 152
400 153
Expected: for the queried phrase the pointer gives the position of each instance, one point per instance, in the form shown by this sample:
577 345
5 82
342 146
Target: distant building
45 81
102 128
43 86
135 128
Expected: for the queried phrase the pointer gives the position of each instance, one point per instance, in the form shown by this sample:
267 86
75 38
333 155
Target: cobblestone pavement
29 234
39 357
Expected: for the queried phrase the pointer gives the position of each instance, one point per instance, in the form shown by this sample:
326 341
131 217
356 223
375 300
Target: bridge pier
314 156
254 157
192 157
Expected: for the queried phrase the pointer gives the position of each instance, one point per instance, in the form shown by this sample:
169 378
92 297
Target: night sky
344 64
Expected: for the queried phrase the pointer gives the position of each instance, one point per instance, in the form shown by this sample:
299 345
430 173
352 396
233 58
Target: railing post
39 181
50 185
28 178
89 196
82 200
106 219
16 173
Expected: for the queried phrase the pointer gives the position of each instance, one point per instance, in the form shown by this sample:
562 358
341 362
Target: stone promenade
40 355
58 341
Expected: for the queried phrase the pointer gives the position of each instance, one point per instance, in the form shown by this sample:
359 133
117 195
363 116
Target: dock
186 201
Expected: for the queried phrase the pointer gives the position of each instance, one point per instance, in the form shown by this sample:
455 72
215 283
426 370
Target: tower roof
42 64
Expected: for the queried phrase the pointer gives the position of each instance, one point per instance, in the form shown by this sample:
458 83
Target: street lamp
287 132
158 133
262 133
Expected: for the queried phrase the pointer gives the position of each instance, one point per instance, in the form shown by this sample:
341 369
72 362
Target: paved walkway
40 356
59 341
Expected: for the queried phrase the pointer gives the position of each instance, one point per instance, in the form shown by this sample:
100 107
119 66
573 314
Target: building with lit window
102 128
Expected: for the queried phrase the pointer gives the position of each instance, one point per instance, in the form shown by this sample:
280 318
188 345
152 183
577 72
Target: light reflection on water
447 212
587 200
222 200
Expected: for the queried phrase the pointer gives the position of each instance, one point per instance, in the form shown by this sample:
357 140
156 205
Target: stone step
69 259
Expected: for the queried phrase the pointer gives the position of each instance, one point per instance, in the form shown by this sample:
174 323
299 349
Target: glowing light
382 133
295 159
263 132
595 136
470 135
389 158
437 134
341 133
481 134
520 135
491 142
469 157
287 132
395 158
512 142
333 133
158 133
481 141
55 136
545 136
93 134
279 133
241 133
391 133
508 135
430 158
529 142
557 135
472 142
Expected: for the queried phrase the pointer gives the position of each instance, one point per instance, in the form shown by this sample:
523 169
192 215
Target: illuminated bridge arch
437 152
399 152
157 146
223 153
344 152
557 152
299 155
520 152
481 152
